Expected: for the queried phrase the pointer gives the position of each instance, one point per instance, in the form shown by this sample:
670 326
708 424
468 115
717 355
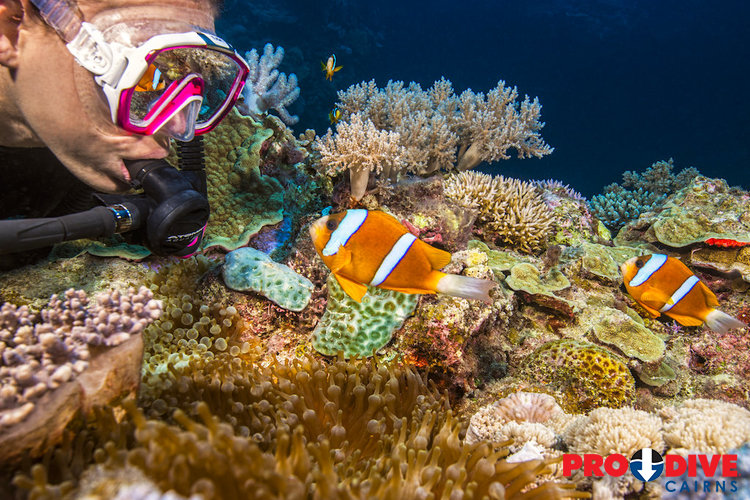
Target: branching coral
513 211
639 193
266 88
361 148
439 130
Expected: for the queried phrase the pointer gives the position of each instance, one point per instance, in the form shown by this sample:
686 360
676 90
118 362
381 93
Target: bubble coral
587 376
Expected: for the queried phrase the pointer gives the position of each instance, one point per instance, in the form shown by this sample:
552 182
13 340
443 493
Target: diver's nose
181 125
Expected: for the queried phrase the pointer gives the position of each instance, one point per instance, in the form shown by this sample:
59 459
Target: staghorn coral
41 352
705 426
266 88
639 193
341 430
361 148
512 211
438 130
587 376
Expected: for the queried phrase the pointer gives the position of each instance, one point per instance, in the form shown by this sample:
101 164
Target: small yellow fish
371 247
662 284
329 67
334 116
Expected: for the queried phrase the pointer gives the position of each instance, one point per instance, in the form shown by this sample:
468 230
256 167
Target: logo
646 464
695 473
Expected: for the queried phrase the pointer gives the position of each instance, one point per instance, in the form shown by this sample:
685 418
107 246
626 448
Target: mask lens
168 67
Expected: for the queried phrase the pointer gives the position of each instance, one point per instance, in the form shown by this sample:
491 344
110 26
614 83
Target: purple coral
42 351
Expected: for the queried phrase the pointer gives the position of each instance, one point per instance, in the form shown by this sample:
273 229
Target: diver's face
65 108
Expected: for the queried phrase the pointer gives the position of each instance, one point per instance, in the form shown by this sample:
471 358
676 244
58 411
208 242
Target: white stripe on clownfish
652 265
680 293
397 252
349 225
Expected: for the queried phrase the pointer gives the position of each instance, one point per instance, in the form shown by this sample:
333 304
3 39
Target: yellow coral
511 209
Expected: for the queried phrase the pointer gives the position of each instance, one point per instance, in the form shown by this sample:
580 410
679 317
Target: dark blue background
623 83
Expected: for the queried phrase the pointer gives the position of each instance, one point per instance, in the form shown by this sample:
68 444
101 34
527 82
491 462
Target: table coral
587 375
358 329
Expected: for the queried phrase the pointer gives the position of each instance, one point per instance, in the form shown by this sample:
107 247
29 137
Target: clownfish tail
721 322
466 287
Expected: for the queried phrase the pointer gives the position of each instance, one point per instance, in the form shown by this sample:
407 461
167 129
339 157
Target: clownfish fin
655 300
322 65
711 300
466 287
721 322
686 320
438 258
337 68
353 289
340 259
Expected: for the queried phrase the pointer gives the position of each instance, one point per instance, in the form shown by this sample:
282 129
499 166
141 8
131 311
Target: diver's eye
331 224
639 263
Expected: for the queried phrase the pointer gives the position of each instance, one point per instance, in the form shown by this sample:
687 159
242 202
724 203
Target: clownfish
329 67
151 80
334 116
662 284
371 247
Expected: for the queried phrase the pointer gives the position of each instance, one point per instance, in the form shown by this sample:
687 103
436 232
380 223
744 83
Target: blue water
623 83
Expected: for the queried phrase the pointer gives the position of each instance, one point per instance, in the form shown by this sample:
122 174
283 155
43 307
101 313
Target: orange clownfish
151 80
371 247
334 116
329 67
663 284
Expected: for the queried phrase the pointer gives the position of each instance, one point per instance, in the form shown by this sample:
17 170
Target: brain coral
511 210
587 376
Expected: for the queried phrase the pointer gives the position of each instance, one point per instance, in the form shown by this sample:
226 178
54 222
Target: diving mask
181 84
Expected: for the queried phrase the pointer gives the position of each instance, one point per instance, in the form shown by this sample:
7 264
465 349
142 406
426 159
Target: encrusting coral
511 211
435 129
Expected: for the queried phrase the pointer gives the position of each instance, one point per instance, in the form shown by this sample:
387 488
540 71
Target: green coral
632 338
248 269
586 375
604 261
359 328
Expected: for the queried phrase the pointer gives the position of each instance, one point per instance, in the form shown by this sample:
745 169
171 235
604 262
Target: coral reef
511 212
705 426
248 269
435 129
40 352
710 488
586 375
266 88
639 193
360 328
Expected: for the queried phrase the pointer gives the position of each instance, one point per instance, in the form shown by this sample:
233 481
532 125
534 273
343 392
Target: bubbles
192 334
231 310
234 350
245 347
206 341
187 319
215 330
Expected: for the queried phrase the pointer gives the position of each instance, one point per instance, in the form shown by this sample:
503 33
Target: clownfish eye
639 263
331 224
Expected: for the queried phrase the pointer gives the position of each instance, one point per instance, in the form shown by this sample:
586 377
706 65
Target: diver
98 89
